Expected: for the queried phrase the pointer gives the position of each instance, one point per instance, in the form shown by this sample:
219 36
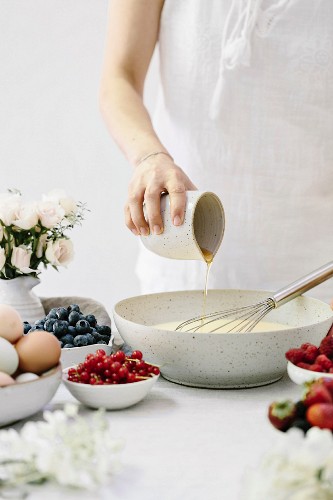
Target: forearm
128 120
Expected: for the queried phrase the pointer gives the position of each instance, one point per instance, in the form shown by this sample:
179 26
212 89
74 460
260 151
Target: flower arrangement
33 234
297 467
65 449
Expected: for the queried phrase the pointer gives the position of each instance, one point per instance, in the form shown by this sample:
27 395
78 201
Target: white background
52 136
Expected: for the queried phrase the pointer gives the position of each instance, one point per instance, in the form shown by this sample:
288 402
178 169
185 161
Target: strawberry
323 361
328 383
316 392
295 355
281 414
326 346
320 415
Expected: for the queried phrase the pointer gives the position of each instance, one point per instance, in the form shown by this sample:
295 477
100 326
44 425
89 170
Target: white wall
52 135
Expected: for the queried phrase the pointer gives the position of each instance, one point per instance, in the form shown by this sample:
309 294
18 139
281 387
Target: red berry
115 366
316 368
282 414
317 393
123 372
310 354
100 352
131 378
136 355
305 366
305 346
156 370
323 361
295 355
92 381
326 346
120 356
320 415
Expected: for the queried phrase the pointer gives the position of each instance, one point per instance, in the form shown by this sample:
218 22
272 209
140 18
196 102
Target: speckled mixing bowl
218 360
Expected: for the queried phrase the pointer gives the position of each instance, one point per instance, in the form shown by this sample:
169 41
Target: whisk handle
303 284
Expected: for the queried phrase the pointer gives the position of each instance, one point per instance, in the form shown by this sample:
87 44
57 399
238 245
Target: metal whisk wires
244 319
241 319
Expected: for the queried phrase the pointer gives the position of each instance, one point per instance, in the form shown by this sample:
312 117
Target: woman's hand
153 176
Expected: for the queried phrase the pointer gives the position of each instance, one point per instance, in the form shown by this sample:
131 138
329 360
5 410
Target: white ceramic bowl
110 397
23 399
218 360
301 375
74 355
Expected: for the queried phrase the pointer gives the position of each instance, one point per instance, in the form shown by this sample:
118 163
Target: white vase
18 294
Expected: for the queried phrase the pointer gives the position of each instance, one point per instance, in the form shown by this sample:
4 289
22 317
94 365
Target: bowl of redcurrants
78 334
310 362
113 381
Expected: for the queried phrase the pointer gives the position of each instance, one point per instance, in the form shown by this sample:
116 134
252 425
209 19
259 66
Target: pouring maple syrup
209 257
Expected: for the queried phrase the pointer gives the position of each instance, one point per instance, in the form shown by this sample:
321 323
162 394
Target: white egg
9 359
26 377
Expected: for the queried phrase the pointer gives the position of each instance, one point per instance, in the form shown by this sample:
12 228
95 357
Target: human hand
155 175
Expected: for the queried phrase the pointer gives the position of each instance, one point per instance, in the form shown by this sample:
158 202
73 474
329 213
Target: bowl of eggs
218 359
30 370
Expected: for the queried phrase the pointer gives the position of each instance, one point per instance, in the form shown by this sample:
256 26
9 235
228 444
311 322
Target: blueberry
300 410
40 322
103 329
82 316
91 320
52 313
68 346
73 318
60 328
62 313
90 339
73 307
80 340
106 338
35 328
48 325
67 339
72 330
26 327
82 326
101 342
95 334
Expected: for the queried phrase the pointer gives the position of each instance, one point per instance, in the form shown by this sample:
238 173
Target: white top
245 108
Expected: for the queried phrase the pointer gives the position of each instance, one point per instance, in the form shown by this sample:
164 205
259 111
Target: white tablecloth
183 443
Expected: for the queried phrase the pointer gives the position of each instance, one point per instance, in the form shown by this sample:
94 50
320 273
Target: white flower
2 258
65 448
41 245
297 467
60 196
59 252
26 216
20 259
9 206
1 233
50 213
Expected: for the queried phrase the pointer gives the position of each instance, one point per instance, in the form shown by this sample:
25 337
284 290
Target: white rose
20 259
50 213
1 233
2 258
9 206
26 217
66 202
41 245
59 252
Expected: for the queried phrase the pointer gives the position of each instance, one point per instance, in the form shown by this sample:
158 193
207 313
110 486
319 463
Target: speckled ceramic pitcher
201 231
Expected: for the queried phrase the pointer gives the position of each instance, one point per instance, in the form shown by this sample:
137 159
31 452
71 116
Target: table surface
187 443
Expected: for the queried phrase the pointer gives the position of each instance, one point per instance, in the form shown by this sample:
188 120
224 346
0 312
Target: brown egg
38 351
6 379
11 325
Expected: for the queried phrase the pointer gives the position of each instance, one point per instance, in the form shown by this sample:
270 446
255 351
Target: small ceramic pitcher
201 231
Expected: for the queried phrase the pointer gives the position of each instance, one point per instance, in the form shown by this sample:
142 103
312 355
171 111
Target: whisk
244 319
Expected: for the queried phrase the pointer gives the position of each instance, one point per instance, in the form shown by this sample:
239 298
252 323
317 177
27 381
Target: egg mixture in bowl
219 359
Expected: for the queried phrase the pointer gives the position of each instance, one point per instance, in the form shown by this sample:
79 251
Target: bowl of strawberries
314 409
310 362
113 381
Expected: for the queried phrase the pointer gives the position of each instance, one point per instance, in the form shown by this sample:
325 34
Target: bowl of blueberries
79 334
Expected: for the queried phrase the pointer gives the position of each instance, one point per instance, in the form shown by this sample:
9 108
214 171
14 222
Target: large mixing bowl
218 360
